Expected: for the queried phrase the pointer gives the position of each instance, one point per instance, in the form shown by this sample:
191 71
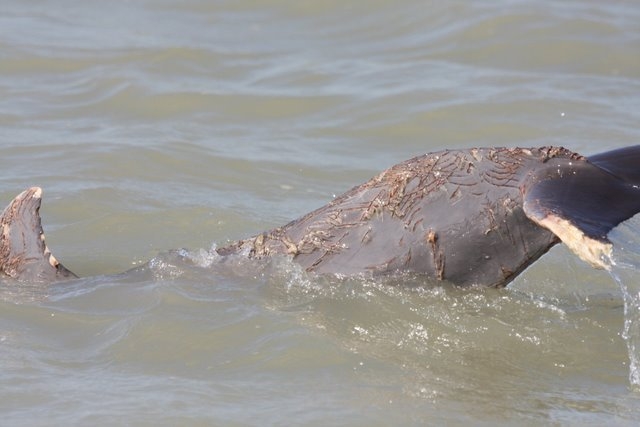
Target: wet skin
470 217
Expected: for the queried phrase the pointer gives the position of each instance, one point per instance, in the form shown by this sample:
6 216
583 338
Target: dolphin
469 217
24 255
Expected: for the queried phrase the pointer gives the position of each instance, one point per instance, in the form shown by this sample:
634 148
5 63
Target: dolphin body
470 217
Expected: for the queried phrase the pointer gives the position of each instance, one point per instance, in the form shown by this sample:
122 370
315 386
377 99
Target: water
624 272
155 125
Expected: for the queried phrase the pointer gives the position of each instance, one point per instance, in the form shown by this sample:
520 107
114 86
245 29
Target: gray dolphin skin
23 252
468 217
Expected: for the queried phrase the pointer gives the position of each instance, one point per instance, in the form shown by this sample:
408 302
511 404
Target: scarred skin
470 217
23 252
452 215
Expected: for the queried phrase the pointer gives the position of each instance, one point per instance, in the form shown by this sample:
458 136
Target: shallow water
154 125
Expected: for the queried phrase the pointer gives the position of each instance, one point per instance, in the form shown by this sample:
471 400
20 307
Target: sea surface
160 125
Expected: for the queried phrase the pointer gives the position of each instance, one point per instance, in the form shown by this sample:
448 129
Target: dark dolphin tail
623 163
23 252
582 200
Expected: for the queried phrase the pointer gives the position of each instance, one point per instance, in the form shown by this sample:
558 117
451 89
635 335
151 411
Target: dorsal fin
581 201
23 252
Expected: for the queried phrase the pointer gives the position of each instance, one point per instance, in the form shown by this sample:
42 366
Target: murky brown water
154 125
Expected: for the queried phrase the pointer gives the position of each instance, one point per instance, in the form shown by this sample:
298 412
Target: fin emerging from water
623 163
582 200
23 252
461 215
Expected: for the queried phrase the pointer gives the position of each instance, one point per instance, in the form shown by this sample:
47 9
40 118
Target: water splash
631 328
625 264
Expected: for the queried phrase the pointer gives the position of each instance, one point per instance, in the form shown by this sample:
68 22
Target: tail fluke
23 252
581 201
623 163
